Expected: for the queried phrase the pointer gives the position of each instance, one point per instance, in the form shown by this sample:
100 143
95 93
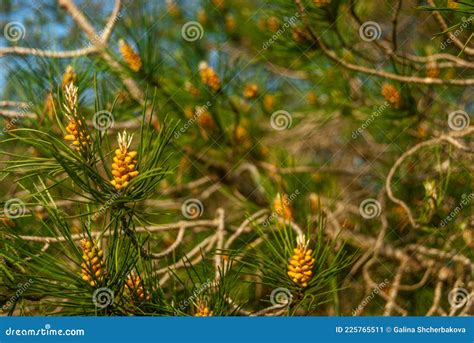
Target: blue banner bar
237 329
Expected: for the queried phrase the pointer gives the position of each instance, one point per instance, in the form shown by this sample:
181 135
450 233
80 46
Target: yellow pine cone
273 24
300 266
76 136
129 55
321 3
314 203
202 310
173 8
219 4
93 264
242 136
281 205
69 76
312 98
392 95
209 77
230 23
299 35
125 163
452 4
432 70
191 89
135 286
269 101
250 90
204 118
49 105
188 111
202 16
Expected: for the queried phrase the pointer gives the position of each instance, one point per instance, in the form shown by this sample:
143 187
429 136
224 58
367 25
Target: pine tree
221 158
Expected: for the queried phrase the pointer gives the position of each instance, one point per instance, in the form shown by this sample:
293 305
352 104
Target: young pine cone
76 135
321 3
191 89
135 286
281 205
432 70
92 265
202 310
250 90
75 130
69 76
125 163
301 263
273 24
209 77
269 101
391 94
129 55
242 137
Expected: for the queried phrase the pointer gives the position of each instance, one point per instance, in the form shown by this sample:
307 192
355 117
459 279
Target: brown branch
444 26
401 78
432 142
